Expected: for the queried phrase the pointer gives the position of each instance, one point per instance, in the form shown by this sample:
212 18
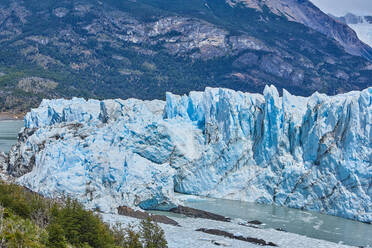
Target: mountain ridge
305 12
142 49
361 24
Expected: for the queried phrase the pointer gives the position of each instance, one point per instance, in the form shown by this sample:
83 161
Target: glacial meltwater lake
306 223
9 130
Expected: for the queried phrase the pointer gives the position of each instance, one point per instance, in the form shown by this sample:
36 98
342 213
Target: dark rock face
20 161
276 66
255 222
280 229
126 211
246 60
252 224
232 236
3 162
19 164
196 213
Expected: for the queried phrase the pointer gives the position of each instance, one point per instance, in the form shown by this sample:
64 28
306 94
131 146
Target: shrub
127 237
56 236
24 203
18 232
29 220
152 235
81 227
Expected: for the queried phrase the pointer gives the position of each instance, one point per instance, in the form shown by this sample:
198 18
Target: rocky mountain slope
308 14
311 153
109 49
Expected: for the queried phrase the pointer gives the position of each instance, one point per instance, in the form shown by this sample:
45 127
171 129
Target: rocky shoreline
5 116
197 213
182 210
218 232
129 212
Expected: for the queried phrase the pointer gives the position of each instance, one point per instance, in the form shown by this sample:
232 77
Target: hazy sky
341 7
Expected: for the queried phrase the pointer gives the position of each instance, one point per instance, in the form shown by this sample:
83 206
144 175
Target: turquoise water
306 223
9 133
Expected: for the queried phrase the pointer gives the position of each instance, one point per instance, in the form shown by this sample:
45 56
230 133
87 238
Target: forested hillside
122 49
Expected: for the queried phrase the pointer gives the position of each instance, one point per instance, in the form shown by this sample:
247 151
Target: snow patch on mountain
364 31
362 25
313 153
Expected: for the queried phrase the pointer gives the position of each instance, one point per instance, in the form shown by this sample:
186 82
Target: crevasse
313 153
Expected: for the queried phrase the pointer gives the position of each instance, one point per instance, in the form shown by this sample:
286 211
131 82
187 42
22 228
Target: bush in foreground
29 220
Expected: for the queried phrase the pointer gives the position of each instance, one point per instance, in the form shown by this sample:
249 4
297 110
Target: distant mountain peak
362 25
304 12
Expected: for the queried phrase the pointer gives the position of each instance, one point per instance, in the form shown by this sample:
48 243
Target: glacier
312 153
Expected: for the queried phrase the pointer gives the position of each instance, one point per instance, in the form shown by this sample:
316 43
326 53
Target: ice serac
312 153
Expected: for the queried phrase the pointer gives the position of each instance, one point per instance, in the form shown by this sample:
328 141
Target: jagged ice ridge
312 153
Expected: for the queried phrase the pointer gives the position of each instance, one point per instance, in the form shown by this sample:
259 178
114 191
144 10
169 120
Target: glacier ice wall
311 153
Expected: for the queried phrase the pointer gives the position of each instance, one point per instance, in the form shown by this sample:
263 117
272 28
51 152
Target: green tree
82 227
29 220
152 235
126 237
56 236
17 232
